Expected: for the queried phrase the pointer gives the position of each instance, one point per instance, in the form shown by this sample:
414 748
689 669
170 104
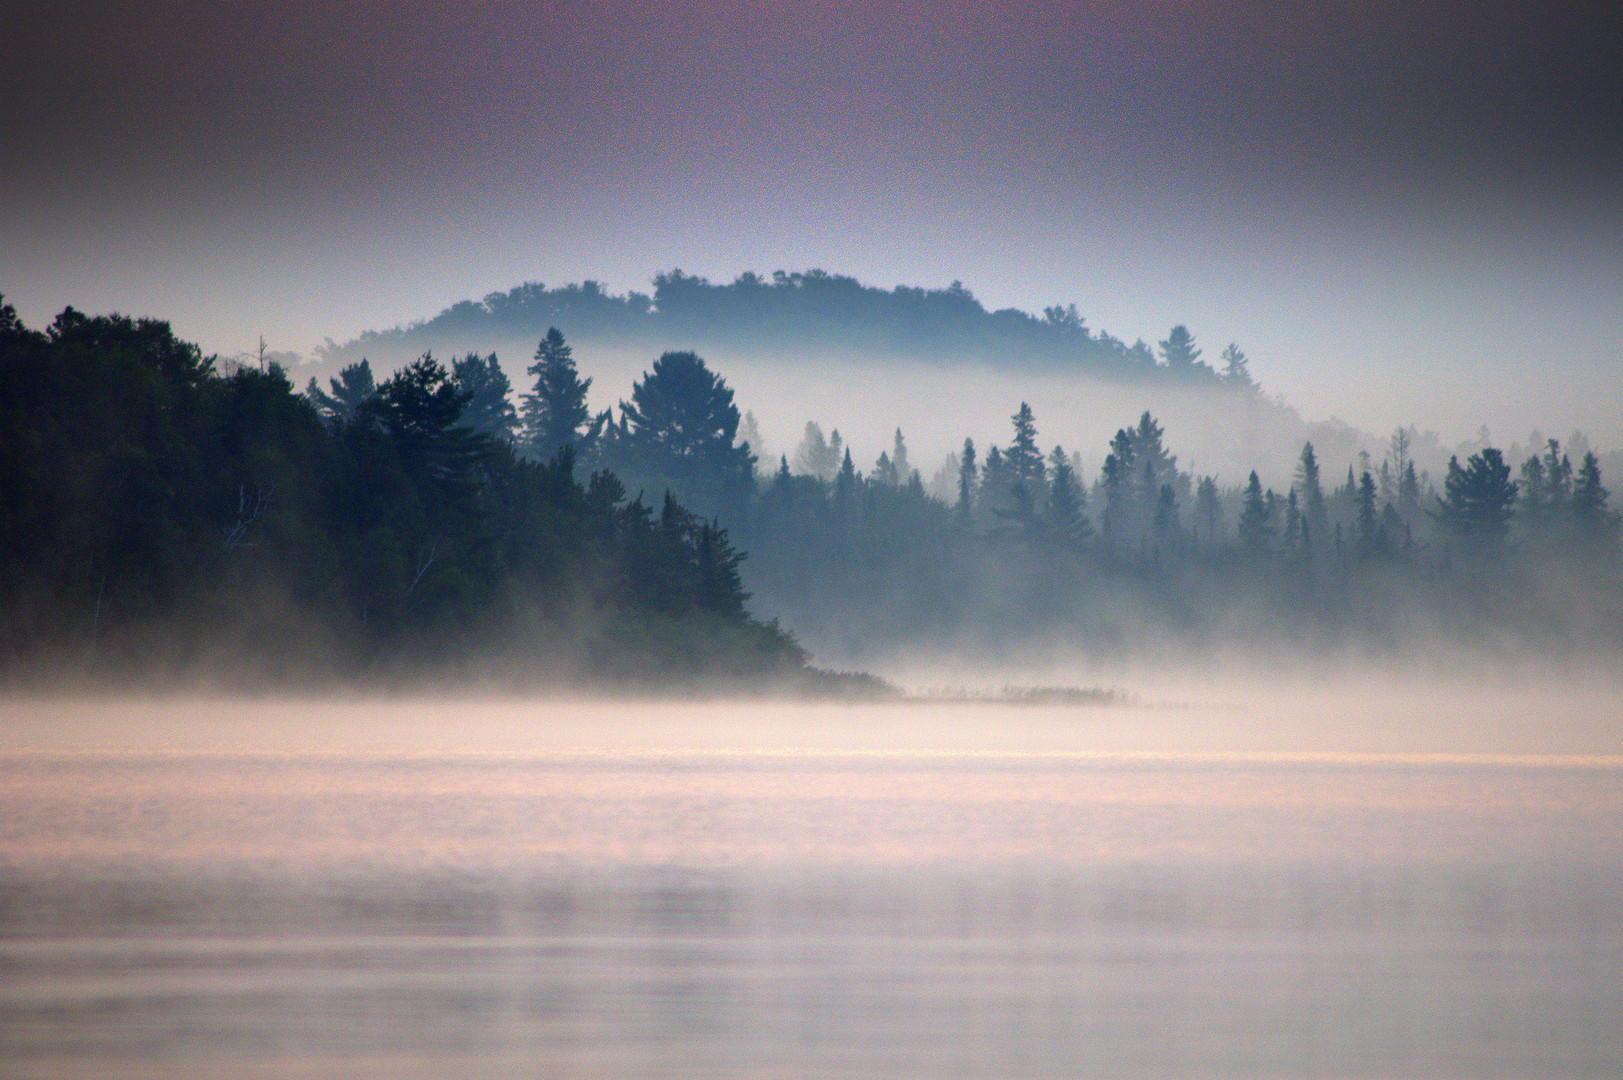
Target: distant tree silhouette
1179 351
1307 479
1588 503
1479 497
555 412
1065 514
899 461
1236 371
353 386
1207 507
968 473
1256 527
490 408
680 429
815 456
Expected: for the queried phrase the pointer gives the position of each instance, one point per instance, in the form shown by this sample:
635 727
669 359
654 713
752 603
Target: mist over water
1232 884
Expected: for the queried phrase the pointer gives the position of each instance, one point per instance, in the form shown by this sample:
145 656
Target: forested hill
814 311
164 521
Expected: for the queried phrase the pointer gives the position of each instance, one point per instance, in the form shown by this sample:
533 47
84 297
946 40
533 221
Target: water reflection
788 915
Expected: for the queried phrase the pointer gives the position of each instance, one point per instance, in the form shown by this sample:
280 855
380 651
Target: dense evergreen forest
168 520
1008 549
165 515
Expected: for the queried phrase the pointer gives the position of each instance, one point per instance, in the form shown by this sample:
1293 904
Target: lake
629 890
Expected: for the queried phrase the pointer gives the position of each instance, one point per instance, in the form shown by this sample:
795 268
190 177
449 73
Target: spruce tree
1179 350
967 475
1065 514
1256 526
555 413
1588 504
1307 479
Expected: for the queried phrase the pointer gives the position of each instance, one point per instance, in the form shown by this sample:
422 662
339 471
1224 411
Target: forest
167 520
1008 550
169 513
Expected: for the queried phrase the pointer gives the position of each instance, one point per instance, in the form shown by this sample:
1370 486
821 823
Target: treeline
812 311
1010 543
163 518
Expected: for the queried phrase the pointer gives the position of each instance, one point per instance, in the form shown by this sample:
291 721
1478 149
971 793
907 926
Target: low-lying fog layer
1233 882
1484 713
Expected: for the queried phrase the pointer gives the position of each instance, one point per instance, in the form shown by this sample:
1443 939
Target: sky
1404 212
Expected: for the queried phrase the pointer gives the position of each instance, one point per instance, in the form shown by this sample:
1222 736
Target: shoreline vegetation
174 522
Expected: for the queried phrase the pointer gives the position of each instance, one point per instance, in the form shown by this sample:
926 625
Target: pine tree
1588 503
898 459
1065 514
1235 370
1256 525
1023 460
1179 349
1478 498
1557 479
814 456
1369 537
350 390
489 411
555 413
1207 507
967 475
1307 478
884 471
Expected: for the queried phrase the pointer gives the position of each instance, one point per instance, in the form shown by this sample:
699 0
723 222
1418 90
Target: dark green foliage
165 521
678 433
489 411
353 387
1478 499
555 412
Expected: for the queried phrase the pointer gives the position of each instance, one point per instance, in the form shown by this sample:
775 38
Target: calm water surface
579 913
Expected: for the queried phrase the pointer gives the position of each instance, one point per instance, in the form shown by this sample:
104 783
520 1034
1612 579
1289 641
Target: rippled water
782 913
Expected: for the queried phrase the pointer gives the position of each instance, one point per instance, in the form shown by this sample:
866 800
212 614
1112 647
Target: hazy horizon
1402 215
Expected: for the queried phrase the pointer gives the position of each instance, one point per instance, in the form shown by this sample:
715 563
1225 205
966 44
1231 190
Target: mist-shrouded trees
489 410
1595 522
164 520
1479 497
678 432
1256 524
1065 515
818 456
1179 351
1236 369
555 413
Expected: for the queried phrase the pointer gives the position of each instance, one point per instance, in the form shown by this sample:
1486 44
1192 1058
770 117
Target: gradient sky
1404 211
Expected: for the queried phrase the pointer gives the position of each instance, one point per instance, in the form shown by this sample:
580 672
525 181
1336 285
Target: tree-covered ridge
811 309
1010 544
164 517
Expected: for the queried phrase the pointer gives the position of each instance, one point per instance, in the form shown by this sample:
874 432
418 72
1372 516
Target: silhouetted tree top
1479 497
352 387
555 411
489 410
